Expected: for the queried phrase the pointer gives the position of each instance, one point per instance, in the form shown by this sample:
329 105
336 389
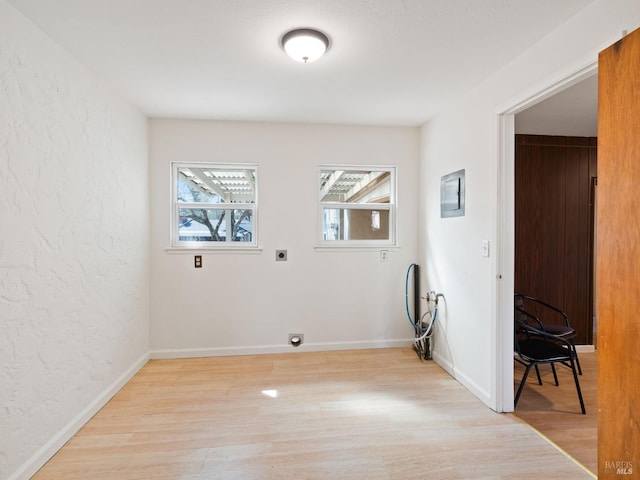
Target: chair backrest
545 313
523 314
528 326
518 304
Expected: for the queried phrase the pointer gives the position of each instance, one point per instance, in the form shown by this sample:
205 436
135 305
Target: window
214 205
357 205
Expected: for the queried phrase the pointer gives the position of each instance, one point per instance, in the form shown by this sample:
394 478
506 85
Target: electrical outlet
197 261
384 255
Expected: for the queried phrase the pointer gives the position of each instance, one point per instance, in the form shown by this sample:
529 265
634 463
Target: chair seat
559 330
536 350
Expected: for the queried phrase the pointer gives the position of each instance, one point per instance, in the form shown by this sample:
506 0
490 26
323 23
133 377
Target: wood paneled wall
554 224
618 260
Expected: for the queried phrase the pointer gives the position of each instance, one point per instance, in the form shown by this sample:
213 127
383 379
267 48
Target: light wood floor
555 411
367 414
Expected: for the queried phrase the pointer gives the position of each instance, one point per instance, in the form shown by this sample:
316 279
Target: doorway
521 114
505 260
554 221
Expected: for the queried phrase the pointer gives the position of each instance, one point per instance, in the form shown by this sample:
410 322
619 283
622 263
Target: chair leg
538 374
555 375
522 382
575 377
575 352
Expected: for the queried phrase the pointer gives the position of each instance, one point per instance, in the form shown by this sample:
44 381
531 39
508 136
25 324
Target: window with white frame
357 205
214 205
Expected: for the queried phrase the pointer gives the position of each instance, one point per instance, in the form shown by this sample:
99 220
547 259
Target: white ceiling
572 112
391 62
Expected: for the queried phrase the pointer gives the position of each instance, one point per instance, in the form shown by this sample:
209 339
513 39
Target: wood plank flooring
366 414
555 411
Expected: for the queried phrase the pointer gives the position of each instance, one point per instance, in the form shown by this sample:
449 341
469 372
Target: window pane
188 192
211 184
214 224
355 186
355 224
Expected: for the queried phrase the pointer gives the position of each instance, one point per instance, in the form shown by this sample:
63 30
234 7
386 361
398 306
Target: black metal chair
549 318
534 346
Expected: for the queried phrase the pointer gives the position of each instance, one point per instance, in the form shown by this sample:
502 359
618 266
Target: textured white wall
245 303
467 136
73 244
74 257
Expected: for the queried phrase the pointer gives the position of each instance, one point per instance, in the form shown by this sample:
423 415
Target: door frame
505 228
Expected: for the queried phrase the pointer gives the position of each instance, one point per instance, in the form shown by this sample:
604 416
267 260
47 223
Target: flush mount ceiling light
305 44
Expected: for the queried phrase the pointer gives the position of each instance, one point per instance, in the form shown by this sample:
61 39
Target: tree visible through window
214 205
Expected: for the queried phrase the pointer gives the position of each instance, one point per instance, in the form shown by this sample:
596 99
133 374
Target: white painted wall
74 225
467 136
73 245
249 303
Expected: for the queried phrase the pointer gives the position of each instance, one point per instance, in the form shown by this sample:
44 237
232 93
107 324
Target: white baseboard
482 394
465 381
42 456
264 349
585 348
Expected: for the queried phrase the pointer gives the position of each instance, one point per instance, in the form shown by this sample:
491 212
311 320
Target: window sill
354 248
212 250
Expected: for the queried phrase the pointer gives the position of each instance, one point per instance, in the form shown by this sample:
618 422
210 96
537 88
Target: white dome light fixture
305 44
